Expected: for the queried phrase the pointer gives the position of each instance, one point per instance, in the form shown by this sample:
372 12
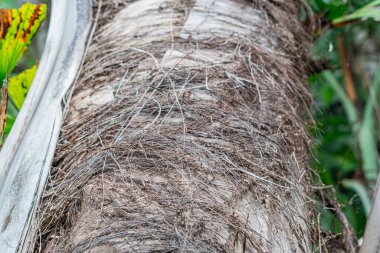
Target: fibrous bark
185 132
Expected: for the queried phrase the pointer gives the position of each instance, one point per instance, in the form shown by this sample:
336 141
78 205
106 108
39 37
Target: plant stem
3 109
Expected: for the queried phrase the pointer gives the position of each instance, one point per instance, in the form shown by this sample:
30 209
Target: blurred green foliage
8 4
24 24
347 133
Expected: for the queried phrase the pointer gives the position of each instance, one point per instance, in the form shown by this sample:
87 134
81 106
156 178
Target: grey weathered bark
185 133
25 159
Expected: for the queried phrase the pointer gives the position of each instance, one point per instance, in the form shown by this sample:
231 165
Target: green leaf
361 191
10 121
371 10
367 136
19 86
349 108
337 10
17 28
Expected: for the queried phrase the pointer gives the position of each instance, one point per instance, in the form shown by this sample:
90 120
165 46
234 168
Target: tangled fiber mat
185 133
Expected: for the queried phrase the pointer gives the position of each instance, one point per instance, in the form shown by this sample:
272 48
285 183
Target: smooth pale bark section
28 151
185 133
371 242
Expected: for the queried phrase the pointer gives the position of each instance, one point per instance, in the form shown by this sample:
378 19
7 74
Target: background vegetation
346 104
20 77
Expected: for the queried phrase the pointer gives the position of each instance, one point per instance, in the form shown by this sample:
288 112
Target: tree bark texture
185 133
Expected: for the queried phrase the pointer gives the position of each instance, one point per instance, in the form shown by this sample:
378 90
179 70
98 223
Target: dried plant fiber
185 133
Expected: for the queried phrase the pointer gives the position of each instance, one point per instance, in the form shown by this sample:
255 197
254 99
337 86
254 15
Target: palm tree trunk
185 132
